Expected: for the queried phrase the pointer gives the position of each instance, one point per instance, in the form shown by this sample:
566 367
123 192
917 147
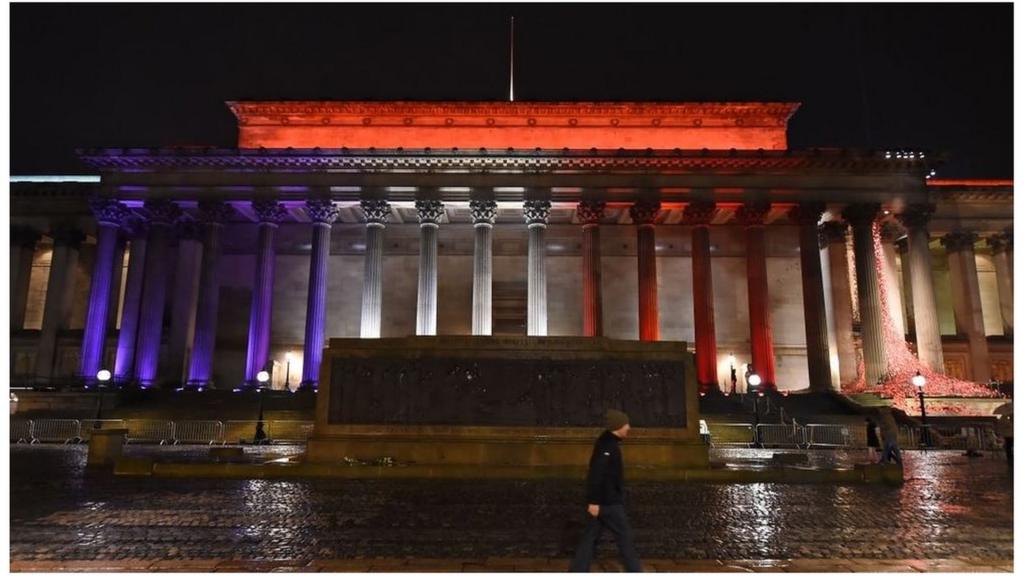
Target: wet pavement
950 509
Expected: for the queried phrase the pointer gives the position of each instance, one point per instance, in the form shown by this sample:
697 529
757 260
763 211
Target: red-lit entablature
549 125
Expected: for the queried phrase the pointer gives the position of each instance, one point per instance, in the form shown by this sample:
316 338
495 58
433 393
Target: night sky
933 77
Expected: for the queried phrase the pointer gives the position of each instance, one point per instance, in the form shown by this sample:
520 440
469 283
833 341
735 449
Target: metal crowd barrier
731 434
159 431
827 435
21 431
242 431
60 430
199 432
89 425
780 435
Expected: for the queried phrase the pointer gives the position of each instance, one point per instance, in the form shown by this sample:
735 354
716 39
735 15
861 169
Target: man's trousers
612 518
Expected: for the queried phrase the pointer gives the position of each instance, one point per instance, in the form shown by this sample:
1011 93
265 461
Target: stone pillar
862 218
484 212
963 273
110 216
762 349
23 248
833 237
819 368
116 276
127 335
536 214
430 213
590 213
376 212
162 213
903 249
323 213
1002 256
184 301
60 291
890 232
643 214
200 371
270 213
922 287
699 216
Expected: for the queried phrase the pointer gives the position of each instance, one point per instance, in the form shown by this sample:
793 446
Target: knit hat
615 419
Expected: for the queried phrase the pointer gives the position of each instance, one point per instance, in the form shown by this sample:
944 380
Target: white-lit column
536 214
430 213
1002 256
484 212
376 213
963 274
922 287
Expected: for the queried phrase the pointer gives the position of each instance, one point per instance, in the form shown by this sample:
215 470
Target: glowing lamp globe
103 375
262 376
754 380
918 380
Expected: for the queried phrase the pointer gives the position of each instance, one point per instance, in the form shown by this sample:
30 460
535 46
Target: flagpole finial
511 59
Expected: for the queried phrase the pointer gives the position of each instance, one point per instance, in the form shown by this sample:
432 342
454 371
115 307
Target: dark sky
936 77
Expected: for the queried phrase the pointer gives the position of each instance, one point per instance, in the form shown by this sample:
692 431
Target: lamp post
14 403
261 437
732 373
288 370
919 381
102 377
753 381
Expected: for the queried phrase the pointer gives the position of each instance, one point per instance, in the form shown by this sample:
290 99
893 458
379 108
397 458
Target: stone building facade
683 222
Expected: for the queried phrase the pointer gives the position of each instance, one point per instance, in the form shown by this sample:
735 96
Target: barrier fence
723 435
780 435
827 435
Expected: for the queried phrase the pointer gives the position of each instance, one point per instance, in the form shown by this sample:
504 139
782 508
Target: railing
199 432
56 431
827 435
21 431
159 431
162 431
780 435
731 435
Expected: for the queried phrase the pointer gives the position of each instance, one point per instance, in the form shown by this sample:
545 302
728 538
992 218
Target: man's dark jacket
604 481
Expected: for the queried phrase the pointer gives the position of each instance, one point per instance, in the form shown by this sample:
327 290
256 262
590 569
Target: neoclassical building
690 222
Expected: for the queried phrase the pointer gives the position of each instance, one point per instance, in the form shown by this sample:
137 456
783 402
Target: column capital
903 245
643 212
135 227
187 229
322 211
916 215
430 212
483 211
858 214
376 212
536 212
890 232
109 212
753 213
269 211
958 241
66 236
1001 242
161 212
214 211
807 213
699 213
832 232
590 212
24 236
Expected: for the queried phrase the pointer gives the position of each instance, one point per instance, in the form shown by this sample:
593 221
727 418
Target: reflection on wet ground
951 506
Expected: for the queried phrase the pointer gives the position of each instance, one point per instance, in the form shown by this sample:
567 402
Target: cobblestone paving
951 508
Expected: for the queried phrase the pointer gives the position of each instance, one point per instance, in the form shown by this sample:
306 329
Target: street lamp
919 381
261 437
753 381
287 370
103 376
732 373
14 403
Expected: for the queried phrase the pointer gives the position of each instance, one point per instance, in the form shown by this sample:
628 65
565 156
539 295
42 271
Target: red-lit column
699 215
590 213
643 214
762 350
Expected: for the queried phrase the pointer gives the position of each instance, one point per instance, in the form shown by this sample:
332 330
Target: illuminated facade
688 222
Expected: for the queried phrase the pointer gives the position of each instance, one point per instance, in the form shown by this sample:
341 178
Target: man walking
604 498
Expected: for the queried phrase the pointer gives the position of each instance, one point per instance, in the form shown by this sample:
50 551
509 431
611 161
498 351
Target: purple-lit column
162 214
643 214
376 212
124 362
270 213
184 300
116 277
200 371
23 249
323 213
110 215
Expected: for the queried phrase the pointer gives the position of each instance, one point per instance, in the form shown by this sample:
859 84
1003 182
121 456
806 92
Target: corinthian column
127 335
484 212
762 349
832 235
184 300
110 215
890 232
376 212
270 214
430 213
963 272
162 214
536 214
213 215
60 290
643 214
922 287
323 213
699 216
590 213
1002 255
819 369
862 218
23 249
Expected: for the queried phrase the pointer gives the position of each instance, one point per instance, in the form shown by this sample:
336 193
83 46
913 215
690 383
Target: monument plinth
504 401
